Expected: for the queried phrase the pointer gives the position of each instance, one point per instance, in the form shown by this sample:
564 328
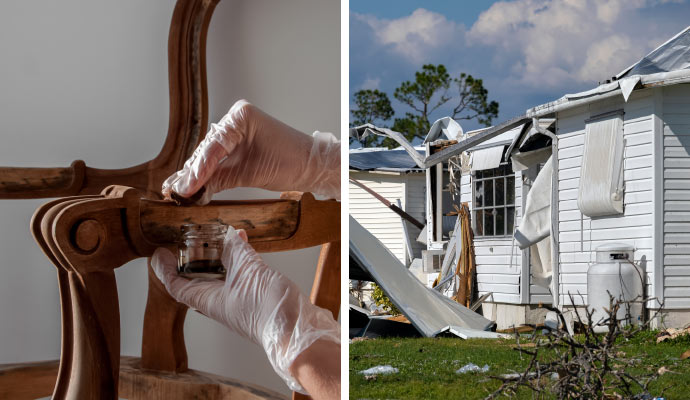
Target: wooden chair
115 216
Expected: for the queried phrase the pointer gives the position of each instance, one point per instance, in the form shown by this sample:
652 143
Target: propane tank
614 273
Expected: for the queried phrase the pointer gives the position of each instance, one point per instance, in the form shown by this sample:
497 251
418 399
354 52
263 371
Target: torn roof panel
429 311
482 137
502 139
397 160
365 130
445 126
668 64
510 128
673 55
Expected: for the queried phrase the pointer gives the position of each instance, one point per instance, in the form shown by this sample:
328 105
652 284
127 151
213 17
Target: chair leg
89 364
66 344
95 357
325 291
163 347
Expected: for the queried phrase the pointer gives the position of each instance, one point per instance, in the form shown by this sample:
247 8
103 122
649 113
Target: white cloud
370 83
560 41
605 55
415 36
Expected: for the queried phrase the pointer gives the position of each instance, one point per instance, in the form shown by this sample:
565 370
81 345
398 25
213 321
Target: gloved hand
249 148
255 301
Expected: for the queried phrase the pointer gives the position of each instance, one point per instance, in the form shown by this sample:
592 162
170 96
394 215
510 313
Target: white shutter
601 176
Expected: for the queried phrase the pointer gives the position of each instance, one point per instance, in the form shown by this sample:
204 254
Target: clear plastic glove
255 301
249 148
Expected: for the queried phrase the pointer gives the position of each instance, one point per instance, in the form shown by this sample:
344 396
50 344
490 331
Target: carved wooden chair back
102 226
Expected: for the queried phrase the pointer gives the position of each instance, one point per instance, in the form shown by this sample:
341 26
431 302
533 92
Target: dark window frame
505 173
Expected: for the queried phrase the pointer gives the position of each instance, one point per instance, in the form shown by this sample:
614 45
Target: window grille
493 204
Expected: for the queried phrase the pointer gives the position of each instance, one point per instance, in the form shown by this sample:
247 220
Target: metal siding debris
430 312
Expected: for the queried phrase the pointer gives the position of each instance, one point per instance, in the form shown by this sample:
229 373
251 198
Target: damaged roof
673 55
396 160
423 162
668 64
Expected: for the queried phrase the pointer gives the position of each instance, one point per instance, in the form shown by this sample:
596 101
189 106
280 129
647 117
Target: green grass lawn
427 366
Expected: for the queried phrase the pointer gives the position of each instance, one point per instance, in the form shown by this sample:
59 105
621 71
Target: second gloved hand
255 301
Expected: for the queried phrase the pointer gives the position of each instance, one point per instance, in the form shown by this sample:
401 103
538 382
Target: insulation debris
471 367
379 370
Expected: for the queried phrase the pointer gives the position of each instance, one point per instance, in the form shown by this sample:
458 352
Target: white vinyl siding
580 235
497 270
676 189
380 220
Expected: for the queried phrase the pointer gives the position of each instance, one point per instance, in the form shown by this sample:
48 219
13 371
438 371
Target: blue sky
528 52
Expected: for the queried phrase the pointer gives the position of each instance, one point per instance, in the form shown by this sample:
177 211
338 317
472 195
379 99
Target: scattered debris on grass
554 376
471 367
671 333
379 370
524 345
664 370
521 329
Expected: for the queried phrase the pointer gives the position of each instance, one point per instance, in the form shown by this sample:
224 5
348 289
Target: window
493 206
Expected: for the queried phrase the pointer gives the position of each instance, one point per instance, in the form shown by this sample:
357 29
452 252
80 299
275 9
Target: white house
393 175
608 165
620 155
493 192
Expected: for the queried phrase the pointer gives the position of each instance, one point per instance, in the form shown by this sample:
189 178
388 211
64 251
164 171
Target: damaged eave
544 124
607 91
473 141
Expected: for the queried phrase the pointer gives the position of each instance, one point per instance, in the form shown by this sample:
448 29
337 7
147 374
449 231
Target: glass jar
200 251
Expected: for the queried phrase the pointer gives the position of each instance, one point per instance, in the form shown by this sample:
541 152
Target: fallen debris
471 367
521 329
430 312
671 333
663 370
379 370
515 376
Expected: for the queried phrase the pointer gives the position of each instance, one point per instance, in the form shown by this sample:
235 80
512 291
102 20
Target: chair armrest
34 183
